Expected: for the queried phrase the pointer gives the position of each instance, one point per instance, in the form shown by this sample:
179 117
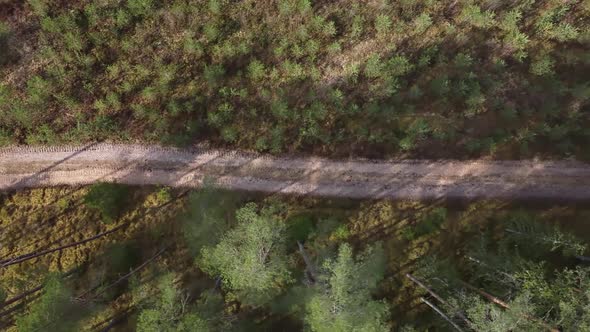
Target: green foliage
516 268
207 217
429 224
140 7
39 7
143 70
472 14
163 195
5 137
256 70
399 65
563 302
251 258
422 23
488 317
3 295
109 199
533 236
572 296
549 25
54 311
374 66
170 312
382 24
38 91
542 66
300 227
6 53
342 300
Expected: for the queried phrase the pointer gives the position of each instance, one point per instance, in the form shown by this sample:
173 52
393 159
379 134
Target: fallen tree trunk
29 256
144 264
312 274
436 296
442 314
505 305
21 296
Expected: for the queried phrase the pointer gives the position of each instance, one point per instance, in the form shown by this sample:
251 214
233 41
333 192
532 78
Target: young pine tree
54 311
170 312
342 300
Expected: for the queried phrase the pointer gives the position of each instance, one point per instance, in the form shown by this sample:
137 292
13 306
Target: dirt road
24 167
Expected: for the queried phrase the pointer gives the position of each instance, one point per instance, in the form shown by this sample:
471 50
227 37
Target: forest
438 79
108 257
381 79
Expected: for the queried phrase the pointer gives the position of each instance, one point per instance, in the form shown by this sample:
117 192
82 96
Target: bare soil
24 167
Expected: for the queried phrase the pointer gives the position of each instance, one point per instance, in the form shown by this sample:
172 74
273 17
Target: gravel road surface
26 167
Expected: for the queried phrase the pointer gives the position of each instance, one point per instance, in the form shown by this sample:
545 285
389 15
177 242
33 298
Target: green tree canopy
342 300
207 217
251 258
563 302
521 279
54 311
170 311
109 199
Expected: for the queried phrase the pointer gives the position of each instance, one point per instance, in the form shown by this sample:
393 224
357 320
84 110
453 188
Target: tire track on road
27 167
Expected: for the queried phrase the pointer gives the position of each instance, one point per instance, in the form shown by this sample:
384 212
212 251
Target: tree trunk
217 283
24 294
110 326
505 305
144 264
29 256
509 276
311 272
9 312
20 296
437 297
438 311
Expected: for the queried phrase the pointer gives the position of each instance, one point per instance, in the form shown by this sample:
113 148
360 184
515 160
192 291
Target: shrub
140 7
356 29
382 24
422 23
109 199
256 70
472 14
5 137
441 86
427 225
39 7
517 41
463 60
44 134
399 65
542 66
374 66
564 32
300 227
38 91
6 53
213 74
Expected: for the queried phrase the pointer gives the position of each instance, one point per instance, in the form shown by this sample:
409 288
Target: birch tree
251 258
170 311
